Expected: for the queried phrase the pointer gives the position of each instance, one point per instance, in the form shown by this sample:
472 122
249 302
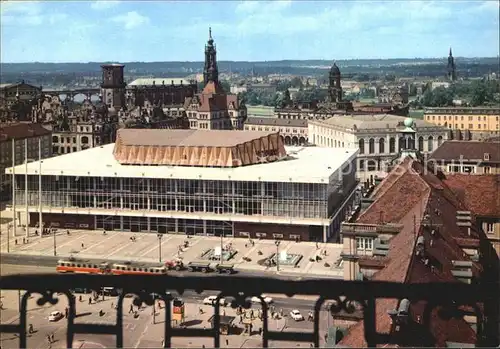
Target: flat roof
188 138
306 165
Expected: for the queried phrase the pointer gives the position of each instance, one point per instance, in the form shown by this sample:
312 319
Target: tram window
95 266
78 265
151 270
134 269
72 264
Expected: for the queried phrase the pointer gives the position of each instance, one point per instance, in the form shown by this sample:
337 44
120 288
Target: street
140 331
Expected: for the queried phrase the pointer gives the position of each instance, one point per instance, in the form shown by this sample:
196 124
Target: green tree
297 82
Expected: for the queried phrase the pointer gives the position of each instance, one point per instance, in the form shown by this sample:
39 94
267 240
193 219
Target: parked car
210 300
55 316
268 300
296 315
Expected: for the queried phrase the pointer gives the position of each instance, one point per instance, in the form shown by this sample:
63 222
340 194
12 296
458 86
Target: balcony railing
342 297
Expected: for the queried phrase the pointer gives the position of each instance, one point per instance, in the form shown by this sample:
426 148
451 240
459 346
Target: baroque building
214 108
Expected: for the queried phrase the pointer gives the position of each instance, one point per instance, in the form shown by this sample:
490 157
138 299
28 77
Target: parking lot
147 247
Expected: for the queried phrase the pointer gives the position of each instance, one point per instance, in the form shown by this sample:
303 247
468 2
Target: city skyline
245 31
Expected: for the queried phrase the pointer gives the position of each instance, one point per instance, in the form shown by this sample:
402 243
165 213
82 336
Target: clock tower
113 86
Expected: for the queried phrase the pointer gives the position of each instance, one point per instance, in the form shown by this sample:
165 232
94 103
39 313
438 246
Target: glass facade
294 200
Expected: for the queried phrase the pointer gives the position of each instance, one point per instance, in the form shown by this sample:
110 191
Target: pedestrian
163 343
80 298
15 241
48 339
30 328
83 245
227 341
66 312
90 300
260 331
52 338
1 305
131 310
112 304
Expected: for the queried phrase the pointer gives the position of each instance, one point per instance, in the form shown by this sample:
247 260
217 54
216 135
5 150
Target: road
280 300
139 331
50 261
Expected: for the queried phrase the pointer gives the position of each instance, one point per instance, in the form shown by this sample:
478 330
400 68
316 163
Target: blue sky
64 31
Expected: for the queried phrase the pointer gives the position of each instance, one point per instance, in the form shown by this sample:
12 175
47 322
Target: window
430 143
487 170
392 145
468 169
361 164
361 144
489 228
371 146
55 139
440 140
381 145
260 235
74 149
278 236
244 234
421 143
364 244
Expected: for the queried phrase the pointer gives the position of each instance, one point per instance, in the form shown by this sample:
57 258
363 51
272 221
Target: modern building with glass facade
304 193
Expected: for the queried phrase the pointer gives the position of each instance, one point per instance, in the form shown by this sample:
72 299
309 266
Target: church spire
452 73
210 71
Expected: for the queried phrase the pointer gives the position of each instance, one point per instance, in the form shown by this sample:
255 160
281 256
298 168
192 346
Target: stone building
466 122
378 138
214 108
16 101
22 134
468 157
293 132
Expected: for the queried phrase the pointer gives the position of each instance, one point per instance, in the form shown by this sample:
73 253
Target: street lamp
221 246
54 239
277 243
8 238
160 236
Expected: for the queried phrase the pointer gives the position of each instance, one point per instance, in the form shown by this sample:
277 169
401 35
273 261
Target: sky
127 31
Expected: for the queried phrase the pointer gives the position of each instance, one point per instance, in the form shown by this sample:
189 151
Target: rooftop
188 138
21 131
370 121
404 197
469 150
160 81
271 121
304 164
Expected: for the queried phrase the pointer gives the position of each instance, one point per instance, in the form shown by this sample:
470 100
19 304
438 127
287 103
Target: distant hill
191 67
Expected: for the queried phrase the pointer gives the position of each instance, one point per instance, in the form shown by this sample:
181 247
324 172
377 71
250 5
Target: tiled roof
404 197
160 81
21 131
480 193
468 150
270 121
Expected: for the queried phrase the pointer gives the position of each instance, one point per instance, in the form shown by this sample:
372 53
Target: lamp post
8 238
221 246
54 239
277 243
160 236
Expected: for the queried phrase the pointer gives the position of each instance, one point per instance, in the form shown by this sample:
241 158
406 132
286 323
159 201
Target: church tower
334 87
210 71
113 86
451 68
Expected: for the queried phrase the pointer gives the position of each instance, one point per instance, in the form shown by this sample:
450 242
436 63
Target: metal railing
339 297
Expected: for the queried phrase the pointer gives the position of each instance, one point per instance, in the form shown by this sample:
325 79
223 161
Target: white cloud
103 4
131 20
28 13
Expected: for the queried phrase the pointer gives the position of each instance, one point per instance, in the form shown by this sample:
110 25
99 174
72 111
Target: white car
296 315
268 300
55 316
210 300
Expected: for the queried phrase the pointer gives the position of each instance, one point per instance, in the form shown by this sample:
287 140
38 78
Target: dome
335 69
408 122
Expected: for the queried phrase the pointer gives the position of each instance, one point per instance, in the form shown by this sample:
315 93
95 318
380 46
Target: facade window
361 164
440 140
421 143
487 169
392 145
468 169
371 146
381 145
489 228
372 165
364 244
55 139
402 143
430 143
361 146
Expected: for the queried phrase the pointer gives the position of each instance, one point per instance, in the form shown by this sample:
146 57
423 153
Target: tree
297 82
